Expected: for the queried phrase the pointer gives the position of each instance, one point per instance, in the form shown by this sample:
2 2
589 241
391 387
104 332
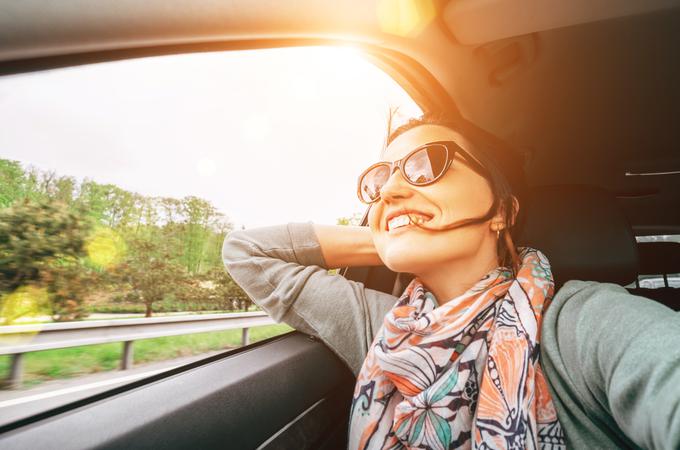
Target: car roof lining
479 21
585 103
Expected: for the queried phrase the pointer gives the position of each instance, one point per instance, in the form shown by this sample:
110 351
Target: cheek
464 198
374 216
451 200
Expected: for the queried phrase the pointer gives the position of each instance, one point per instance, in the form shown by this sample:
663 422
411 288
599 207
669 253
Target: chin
404 260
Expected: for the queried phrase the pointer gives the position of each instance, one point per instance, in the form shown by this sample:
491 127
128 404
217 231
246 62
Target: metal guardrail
16 340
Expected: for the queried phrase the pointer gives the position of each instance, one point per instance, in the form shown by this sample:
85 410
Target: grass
71 362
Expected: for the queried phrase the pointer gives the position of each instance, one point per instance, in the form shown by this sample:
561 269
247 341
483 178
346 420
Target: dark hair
505 176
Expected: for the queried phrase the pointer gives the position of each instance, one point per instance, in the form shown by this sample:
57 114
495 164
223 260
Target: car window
120 180
656 281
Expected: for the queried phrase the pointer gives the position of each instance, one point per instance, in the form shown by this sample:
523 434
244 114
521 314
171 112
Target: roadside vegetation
76 361
70 249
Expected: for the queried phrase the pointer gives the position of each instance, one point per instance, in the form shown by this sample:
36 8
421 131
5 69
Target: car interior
587 92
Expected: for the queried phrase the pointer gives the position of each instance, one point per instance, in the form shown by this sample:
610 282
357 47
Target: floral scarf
462 375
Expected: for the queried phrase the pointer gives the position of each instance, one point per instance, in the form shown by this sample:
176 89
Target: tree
171 239
64 189
226 291
12 182
93 198
67 286
199 216
354 219
150 273
108 204
40 242
33 235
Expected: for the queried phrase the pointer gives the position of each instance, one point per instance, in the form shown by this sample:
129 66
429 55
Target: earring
498 226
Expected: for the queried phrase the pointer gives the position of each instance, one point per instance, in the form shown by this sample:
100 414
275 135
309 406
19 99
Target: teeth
397 222
403 220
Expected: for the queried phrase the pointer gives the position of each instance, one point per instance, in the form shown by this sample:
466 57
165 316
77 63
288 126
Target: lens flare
407 18
105 247
27 303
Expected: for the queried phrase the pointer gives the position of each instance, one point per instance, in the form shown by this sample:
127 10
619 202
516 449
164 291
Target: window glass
119 181
655 281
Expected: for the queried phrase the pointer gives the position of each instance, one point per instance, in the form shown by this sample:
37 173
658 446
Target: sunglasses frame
469 161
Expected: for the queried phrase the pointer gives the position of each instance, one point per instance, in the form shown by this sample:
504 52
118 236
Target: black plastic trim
129 386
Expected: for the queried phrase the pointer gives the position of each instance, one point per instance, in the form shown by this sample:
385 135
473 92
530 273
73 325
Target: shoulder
590 325
585 307
580 297
588 320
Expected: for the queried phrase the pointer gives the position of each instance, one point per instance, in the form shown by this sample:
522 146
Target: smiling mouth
404 220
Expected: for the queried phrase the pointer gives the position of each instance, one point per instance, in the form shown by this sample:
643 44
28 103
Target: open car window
120 180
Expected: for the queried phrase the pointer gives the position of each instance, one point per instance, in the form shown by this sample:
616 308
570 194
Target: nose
396 187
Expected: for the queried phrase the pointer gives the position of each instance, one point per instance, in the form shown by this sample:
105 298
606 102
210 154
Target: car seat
583 233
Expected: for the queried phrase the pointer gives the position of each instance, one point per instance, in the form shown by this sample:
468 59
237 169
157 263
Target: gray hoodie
612 359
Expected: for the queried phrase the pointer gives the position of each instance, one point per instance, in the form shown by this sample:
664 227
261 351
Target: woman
455 362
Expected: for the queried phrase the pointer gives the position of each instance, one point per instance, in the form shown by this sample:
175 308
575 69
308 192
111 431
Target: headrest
582 232
658 258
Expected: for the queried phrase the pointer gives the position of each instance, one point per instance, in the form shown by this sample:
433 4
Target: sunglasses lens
372 182
426 164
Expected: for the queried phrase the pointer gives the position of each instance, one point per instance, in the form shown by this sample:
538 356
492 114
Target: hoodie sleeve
613 363
283 271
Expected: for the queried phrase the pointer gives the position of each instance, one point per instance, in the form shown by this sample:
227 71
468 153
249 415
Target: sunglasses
420 167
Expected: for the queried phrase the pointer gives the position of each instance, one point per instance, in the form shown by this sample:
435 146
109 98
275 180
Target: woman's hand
346 246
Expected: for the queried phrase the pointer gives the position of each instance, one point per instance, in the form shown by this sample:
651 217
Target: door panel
291 389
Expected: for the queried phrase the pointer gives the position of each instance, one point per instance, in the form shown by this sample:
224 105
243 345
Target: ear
499 218
497 222
515 210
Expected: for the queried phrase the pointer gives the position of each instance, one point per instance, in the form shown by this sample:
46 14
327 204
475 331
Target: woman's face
459 194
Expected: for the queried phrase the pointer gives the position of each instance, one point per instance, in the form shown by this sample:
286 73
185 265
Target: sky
267 136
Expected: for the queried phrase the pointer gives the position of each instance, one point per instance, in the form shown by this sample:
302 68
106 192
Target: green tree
107 203
170 237
197 213
150 273
225 291
67 286
64 190
212 257
354 219
12 182
37 241
93 198
33 185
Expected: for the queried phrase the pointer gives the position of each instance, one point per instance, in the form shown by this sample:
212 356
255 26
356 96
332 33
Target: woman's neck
450 280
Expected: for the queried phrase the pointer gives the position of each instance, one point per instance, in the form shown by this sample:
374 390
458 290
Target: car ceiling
586 90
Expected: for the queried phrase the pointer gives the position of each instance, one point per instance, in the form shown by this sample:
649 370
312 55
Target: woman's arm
614 361
283 270
347 246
